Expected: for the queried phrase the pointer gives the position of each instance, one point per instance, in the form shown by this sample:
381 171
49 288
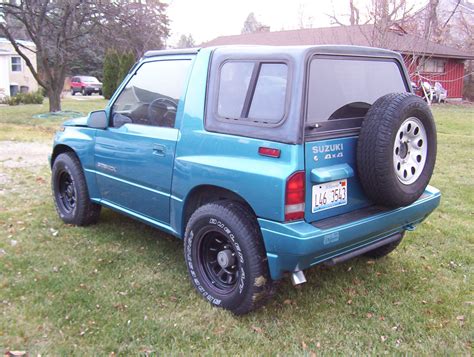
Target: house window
16 64
432 65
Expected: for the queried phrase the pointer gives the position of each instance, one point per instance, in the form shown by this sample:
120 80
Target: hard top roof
292 50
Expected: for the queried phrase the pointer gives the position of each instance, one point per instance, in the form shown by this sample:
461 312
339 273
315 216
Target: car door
134 156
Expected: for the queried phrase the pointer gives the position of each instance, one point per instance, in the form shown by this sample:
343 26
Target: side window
252 92
151 97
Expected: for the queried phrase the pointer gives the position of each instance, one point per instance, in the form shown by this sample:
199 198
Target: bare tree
186 41
251 24
431 27
64 31
355 14
132 25
304 21
382 14
54 27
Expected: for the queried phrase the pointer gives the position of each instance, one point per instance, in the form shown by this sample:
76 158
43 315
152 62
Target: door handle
159 150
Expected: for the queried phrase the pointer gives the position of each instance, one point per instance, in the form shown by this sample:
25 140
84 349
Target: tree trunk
54 100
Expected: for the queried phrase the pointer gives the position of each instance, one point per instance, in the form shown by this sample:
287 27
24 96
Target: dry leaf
349 302
16 353
304 345
370 315
257 329
287 302
383 338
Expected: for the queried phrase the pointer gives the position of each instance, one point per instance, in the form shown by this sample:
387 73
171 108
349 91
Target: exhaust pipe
297 277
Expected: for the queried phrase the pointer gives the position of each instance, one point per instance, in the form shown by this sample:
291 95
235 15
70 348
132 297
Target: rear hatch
340 91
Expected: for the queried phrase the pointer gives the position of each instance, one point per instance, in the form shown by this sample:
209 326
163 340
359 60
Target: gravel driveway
18 154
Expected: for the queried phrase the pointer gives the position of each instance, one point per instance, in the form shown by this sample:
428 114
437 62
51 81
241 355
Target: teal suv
266 161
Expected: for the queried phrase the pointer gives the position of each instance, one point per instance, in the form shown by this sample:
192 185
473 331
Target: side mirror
97 120
120 119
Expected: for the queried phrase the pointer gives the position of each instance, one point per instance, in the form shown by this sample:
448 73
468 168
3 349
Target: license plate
329 195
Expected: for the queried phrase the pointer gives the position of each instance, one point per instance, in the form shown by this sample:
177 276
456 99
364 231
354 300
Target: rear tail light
295 196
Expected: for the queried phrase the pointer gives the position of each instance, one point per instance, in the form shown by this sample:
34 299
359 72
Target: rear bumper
93 89
300 245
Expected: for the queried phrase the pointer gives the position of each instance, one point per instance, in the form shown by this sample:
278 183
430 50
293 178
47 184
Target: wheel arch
203 194
61 149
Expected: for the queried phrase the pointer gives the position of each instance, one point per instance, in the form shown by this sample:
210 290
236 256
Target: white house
15 76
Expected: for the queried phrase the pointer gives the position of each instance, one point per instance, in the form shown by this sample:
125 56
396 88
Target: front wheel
225 257
70 193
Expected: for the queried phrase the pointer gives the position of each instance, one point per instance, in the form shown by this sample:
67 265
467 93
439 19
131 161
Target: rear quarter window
341 90
252 92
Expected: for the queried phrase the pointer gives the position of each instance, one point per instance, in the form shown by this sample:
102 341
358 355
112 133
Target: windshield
90 79
344 88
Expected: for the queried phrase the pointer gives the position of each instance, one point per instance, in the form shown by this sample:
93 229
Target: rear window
252 92
341 90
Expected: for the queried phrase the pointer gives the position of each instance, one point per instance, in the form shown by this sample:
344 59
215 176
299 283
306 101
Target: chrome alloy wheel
410 150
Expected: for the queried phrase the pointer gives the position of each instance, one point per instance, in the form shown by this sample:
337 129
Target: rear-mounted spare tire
396 150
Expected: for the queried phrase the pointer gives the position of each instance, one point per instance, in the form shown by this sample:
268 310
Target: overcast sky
207 19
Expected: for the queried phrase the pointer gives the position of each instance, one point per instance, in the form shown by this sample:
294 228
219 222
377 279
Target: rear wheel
73 92
70 192
225 257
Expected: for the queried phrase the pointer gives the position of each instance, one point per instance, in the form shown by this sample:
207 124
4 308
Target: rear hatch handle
331 173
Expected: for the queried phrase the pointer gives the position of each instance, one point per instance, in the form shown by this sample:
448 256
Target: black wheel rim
218 261
66 192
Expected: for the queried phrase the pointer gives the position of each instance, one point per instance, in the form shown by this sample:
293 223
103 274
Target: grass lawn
122 287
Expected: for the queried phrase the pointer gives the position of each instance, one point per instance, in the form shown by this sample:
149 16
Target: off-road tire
375 161
84 212
384 250
232 221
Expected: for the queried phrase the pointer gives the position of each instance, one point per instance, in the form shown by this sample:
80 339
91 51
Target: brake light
264 151
295 196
